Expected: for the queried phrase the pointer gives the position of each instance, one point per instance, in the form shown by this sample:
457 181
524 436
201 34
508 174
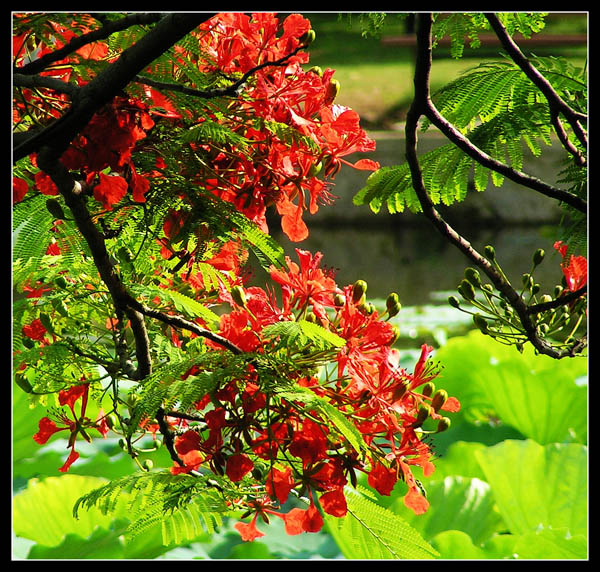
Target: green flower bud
466 290
358 290
315 169
147 465
112 421
480 322
440 397
558 290
392 300
316 70
332 91
489 252
527 280
395 335
538 256
545 299
422 415
472 275
308 37
428 388
394 310
443 424
238 295
454 301
535 288
339 299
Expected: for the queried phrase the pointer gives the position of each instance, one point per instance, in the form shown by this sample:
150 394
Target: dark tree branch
46 82
422 105
229 91
556 103
108 28
109 83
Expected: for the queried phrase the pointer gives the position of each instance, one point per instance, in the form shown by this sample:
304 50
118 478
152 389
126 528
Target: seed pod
538 256
238 295
439 398
55 209
358 290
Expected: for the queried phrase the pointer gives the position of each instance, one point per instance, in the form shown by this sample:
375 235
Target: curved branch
556 103
101 33
456 137
35 81
109 83
421 105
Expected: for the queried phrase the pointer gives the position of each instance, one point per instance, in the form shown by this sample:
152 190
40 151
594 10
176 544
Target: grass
376 79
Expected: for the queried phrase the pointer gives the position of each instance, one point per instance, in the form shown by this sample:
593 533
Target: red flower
20 188
574 268
382 479
76 425
248 531
334 502
44 184
280 483
35 330
110 190
238 466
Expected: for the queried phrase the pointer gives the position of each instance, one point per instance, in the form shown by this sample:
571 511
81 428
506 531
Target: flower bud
558 290
395 335
394 310
439 398
237 293
545 299
316 70
443 424
472 275
454 301
308 37
527 280
466 290
538 256
480 322
535 288
339 299
332 91
422 415
428 389
315 169
358 290
489 252
147 465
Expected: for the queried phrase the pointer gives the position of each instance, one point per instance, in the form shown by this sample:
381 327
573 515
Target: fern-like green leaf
372 532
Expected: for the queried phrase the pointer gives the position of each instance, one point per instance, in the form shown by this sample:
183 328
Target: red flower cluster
275 445
273 166
75 424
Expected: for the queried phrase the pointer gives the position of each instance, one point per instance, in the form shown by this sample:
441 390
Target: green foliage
501 112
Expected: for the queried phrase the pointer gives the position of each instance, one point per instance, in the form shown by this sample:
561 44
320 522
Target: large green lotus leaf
551 544
543 398
459 460
537 486
455 503
43 512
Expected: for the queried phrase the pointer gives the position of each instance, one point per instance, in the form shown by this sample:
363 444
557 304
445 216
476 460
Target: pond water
406 254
